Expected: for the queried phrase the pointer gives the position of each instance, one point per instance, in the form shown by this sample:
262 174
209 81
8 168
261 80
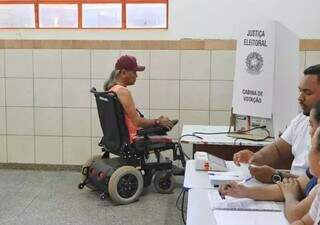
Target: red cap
128 62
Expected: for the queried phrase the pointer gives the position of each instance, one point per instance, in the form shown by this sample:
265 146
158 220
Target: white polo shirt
297 135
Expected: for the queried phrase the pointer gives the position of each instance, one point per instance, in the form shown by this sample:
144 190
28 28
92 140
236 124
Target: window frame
80 19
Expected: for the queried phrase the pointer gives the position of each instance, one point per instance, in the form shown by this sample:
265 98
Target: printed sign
254 73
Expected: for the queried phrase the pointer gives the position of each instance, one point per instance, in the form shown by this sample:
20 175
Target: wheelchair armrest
152 131
157 130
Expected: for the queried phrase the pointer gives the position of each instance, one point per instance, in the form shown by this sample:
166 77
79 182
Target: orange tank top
130 125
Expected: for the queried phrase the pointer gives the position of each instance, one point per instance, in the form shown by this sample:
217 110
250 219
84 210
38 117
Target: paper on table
249 218
237 173
244 168
239 204
217 178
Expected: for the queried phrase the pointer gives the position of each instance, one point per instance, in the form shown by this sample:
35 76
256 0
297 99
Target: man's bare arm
274 154
129 106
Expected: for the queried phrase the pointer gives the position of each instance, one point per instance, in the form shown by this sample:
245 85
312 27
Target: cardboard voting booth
265 87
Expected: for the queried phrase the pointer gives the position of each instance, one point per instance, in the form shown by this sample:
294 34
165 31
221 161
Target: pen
221 195
245 180
222 175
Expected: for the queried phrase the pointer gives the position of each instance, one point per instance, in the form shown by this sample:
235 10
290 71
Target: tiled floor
52 198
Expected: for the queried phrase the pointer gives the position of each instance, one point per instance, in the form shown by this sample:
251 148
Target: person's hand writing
243 156
262 173
233 189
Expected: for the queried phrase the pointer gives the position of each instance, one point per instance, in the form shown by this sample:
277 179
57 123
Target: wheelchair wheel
125 185
164 182
87 164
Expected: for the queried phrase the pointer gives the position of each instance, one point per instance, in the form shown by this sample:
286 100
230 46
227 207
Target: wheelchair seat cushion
152 142
153 139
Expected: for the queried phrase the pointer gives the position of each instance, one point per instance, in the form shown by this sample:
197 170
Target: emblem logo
254 63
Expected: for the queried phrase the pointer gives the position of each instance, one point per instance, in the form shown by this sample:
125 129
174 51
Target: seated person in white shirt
294 144
297 193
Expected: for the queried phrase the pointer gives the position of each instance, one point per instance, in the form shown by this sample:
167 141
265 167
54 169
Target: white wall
205 19
54 119
41 123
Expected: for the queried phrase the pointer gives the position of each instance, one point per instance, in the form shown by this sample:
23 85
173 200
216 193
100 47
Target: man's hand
233 189
165 122
262 173
290 188
243 156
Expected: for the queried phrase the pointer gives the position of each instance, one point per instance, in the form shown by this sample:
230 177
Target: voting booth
265 88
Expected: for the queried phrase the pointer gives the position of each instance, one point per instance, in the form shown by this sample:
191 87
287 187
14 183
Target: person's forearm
145 123
277 154
287 174
290 211
268 155
297 209
305 220
266 193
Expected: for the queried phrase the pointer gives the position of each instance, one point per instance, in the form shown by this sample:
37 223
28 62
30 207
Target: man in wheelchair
130 136
125 74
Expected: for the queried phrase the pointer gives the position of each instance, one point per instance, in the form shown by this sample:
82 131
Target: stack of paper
243 211
240 204
217 178
249 218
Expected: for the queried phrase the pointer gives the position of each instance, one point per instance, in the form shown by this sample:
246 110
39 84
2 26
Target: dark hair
313 70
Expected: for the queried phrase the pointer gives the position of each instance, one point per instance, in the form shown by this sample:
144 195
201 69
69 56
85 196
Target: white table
219 144
217 139
200 179
199 212
197 184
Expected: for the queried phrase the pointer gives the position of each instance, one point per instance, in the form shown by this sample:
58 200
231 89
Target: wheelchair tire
125 185
87 164
164 182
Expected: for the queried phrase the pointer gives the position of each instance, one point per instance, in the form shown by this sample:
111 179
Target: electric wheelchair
123 177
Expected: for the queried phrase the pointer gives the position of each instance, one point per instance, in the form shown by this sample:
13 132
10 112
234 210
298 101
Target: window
58 15
84 14
146 15
101 15
17 15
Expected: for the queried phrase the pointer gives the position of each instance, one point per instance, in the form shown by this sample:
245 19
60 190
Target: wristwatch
278 176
